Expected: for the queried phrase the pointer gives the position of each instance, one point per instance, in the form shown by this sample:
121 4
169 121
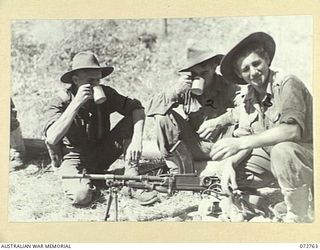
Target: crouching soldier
275 127
204 95
79 124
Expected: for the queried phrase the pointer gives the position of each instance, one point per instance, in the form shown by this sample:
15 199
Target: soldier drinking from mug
79 124
204 95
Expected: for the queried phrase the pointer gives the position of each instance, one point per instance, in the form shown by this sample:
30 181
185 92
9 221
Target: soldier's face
85 76
253 69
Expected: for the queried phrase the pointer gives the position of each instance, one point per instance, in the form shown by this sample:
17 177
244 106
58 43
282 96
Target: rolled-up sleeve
122 104
237 95
56 108
232 115
293 102
160 104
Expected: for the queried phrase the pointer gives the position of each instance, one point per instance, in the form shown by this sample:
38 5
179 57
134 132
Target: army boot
297 202
144 197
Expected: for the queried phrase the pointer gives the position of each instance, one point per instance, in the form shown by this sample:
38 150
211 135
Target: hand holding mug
184 83
84 93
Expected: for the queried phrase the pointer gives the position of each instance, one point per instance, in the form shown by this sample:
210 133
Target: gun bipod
113 195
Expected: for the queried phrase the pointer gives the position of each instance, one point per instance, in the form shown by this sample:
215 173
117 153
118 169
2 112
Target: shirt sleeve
293 102
237 95
122 104
161 103
232 115
55 110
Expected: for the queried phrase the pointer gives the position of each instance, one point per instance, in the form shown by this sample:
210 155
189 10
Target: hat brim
226 67
201 59
67 77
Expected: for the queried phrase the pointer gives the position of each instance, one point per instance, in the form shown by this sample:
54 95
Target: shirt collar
266 100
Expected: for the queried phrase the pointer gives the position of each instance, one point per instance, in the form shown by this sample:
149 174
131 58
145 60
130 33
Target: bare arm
208 127
228 175
134 150
231 146
239 157
283 132
60 127
138 116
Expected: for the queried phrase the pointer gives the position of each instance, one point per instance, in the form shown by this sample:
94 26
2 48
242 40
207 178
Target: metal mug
197 86
98 94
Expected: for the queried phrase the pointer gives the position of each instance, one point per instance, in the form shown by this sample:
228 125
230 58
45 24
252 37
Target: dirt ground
39 57
36 195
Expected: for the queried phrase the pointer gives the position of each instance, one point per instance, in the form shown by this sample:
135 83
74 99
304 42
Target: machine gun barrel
178 182
115 177
167 184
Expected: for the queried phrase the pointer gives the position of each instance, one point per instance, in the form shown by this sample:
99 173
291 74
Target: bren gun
166 183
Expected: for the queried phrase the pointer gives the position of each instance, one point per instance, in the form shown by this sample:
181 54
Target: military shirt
287 100
92 123
215 100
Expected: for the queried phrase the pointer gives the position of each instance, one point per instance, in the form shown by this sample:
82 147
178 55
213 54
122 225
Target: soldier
17 148
79 122
275 124
205 97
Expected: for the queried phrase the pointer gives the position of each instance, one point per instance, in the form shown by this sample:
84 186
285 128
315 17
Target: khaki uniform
290 163
217 98
89 145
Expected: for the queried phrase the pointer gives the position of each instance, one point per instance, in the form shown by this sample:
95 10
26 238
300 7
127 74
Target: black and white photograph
162 120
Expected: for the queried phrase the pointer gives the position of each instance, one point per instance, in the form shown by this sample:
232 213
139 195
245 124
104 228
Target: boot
144 197
279 211
84 195
297 202
16 159
17 148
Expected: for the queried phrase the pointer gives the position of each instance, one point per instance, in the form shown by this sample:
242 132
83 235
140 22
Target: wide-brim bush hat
227 68
198 53
85 60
